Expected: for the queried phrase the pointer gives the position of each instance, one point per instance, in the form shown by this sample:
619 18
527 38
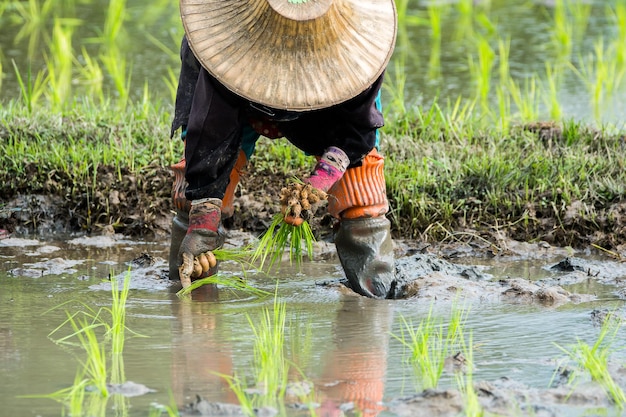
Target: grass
593 360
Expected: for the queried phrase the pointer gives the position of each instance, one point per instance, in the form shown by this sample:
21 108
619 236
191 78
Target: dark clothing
217 118
189 70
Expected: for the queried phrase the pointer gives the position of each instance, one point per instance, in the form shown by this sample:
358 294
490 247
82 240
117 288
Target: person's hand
195 256
298 202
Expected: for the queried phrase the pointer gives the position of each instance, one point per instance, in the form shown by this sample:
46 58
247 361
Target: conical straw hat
292 54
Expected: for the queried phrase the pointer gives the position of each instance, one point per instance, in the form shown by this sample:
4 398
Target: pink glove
329 169
297 200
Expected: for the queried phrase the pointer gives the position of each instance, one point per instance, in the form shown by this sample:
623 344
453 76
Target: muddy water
518 307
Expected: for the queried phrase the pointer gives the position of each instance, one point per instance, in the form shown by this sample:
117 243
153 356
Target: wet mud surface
443 275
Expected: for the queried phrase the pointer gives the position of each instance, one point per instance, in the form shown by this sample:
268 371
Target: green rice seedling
270 366
116 331
171 82
231 282
504 108
395 85
551 99
601 74
563 29
436 13
84 325
35 16
114 22
580 12
60 64
465 382
430 344
31 89
84 331
117 69
408 19
594 359
464 24
504 52
481 71
280 237
91 75
526 99
617 13
74 397
503 97
434 60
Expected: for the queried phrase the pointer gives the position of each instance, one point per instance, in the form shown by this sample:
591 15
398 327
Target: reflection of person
309 71
353 369
201 354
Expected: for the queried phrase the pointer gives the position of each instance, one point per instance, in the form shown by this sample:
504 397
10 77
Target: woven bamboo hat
292 54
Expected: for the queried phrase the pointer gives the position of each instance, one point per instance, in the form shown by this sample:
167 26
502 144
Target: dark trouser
218 118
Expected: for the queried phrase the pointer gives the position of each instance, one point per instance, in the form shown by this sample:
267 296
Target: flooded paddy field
346 352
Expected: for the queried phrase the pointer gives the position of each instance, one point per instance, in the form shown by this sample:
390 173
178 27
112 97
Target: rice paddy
501 119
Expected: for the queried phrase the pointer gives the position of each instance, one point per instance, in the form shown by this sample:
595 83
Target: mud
139 204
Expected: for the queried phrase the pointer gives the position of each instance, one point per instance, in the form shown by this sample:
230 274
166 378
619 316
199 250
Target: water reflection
350 375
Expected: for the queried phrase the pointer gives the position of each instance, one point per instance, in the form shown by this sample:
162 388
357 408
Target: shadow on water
344 347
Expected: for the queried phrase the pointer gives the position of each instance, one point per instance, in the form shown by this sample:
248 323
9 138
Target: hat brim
292 65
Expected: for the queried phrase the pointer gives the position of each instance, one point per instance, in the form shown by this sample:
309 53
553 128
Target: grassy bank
98 168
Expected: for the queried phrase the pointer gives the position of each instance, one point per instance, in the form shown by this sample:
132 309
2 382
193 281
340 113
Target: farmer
309 71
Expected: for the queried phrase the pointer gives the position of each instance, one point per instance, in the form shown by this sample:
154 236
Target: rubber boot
365 250
180 223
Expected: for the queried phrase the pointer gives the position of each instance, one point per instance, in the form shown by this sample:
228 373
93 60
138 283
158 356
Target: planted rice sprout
465 382
59 64
430 343
594 359
270 367
101 338
31 88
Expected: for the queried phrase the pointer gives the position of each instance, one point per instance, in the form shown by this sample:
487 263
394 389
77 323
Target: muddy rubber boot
180 223
365 250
